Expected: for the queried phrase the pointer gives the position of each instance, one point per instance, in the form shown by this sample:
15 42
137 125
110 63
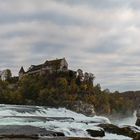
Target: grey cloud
105 47
101 37
135 4
102 4
109 44
14 34
59 19
44 47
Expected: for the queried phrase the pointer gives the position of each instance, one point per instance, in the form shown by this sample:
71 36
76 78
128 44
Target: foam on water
14 115
36 116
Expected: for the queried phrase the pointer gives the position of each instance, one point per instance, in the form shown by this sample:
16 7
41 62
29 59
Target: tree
6 75
73 87
97 89
91 77
86 77
62 83
80 74
79 78
29 87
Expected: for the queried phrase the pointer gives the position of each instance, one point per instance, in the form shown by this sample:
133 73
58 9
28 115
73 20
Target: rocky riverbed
34 122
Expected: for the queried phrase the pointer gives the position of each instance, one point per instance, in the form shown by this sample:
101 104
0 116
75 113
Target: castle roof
52 63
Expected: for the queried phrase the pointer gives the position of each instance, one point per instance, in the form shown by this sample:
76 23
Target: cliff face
83 108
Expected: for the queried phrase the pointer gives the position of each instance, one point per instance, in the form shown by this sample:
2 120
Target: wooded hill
61 88
134 96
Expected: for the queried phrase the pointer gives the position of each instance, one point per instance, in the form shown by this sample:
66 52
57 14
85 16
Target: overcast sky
98 36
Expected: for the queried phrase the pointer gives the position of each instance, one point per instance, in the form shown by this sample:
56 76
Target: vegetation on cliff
60 89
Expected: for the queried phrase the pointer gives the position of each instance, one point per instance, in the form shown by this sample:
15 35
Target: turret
21 73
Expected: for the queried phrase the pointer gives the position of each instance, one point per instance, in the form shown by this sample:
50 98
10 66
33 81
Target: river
37 119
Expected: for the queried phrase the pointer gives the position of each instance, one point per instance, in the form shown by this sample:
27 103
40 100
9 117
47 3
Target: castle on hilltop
47 67
56 65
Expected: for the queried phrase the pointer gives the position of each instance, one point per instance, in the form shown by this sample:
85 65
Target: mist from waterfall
126 121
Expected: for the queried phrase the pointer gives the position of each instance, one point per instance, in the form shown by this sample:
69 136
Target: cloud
98 36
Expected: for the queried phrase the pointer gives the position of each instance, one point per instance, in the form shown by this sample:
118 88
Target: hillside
134 96
63 89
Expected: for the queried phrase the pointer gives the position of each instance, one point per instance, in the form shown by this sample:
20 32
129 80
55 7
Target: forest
61 88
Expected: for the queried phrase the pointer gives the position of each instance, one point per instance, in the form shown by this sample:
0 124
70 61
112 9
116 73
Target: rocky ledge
30 132
27 132
138 122
129 131
138 116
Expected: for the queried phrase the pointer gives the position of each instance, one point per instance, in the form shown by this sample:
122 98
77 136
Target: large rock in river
17 131
128 131
96 133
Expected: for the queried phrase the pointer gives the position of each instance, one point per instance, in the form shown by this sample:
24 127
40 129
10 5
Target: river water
56 119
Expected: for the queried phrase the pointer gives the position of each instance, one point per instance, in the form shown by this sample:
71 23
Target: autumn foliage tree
59 89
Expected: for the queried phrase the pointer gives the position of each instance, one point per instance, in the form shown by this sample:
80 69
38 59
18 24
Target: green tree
6 75
62 83
73 87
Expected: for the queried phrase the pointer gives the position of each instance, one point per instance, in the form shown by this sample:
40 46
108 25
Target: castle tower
21 73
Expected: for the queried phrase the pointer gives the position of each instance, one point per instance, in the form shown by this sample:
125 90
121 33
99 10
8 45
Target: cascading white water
61 120
37 116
